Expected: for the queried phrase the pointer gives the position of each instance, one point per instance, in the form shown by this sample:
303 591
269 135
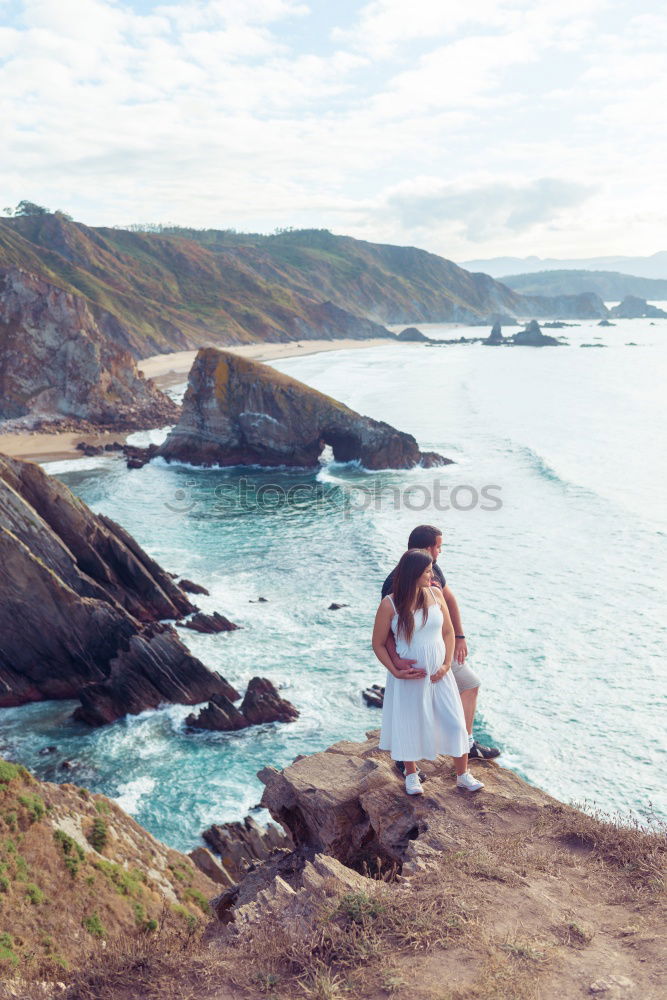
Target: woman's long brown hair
410 567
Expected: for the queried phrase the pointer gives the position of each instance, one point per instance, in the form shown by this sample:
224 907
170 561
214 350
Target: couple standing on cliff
431 695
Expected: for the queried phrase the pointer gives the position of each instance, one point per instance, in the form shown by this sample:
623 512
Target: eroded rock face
241 412
242 843
220 714
261 704
79 607
350 803
57 358
210 623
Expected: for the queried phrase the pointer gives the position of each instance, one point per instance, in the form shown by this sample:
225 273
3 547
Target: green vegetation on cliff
69 876
181 288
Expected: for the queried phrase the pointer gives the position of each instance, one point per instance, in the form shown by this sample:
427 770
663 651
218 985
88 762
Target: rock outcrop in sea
413 336
61 357
496 335
261 703
241 412
633 307
81 605
532 336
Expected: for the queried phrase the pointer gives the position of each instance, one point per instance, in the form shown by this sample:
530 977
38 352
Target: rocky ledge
507 893
60 357
241 412
80 608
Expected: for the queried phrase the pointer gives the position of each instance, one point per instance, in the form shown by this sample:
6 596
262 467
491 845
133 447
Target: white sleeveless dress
420 718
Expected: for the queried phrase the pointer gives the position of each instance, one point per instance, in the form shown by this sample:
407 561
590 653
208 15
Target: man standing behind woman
425 536
422 715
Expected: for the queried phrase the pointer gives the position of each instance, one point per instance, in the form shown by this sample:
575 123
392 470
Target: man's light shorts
466 678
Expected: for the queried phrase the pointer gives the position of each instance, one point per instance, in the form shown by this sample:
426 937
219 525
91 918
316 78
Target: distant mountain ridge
609 285
654 266
180 289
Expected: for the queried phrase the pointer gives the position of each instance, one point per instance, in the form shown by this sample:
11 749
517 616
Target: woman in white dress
422 715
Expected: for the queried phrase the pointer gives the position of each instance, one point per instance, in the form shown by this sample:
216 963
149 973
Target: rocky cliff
61 356
76 869
80 608
585 305
241 412
609 285
180 288
504 895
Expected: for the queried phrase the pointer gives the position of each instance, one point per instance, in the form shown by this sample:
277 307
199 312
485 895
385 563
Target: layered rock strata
241 412
60 357
80 603
261 704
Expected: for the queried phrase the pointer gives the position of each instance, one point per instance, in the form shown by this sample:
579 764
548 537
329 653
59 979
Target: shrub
358 907
7 955
94 925
199 899
98 835
4 883
73 852
34 804
127 882
34 894
9 771
11 819
189 918
102 807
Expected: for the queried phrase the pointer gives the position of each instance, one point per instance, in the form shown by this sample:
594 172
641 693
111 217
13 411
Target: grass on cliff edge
410 940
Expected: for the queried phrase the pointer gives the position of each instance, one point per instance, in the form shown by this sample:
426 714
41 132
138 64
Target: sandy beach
165 370
170 369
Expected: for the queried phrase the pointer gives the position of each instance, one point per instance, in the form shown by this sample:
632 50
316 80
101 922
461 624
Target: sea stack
241 412
532 336
496 335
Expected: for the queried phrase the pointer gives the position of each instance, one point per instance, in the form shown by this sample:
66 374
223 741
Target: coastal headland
165 370
510 894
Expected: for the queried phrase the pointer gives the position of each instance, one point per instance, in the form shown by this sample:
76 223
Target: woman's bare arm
381 636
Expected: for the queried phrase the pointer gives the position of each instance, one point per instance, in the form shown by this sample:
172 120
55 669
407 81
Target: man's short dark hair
423 536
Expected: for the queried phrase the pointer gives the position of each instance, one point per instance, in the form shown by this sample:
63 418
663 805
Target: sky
472 129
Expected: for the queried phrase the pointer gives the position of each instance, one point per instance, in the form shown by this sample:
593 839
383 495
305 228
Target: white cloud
458 126
481 210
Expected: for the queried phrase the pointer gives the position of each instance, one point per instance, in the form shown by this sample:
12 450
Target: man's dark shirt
388 584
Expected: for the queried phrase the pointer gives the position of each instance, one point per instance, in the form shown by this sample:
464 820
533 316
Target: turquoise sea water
563 588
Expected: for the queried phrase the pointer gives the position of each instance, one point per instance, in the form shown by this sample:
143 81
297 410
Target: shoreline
165 370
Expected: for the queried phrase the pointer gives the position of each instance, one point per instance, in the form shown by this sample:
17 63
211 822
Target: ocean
554 518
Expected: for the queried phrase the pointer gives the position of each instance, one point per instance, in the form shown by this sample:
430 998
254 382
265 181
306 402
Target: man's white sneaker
468 782
413 785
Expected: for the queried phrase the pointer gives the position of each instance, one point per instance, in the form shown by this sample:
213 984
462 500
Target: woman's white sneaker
413 785
468 782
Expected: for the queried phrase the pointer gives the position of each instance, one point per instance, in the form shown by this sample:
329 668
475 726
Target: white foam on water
132 792
60 466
